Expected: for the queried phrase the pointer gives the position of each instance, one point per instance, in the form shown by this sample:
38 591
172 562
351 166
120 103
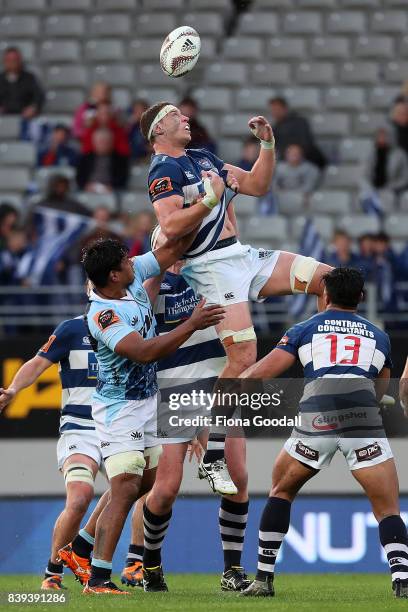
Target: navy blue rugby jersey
69 346
182 176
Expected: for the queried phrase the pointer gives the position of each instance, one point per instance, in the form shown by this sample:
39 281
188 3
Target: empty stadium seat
382 97
397 226
253 98
330 203
61 101
219 5
152 74
258 23
404 201
387 199
65 25
355 149
403 46
135 201
308 98
305 22
67 76
213 98
205 23
14 179
71 5
359 73
115 74
226 73
95 200
14 26
365 124
333 47
229 149
60 51
396 72
315 73
122 98
389 21
346 22
356 225
374 47
105 50
318 4
119 5
138 177
13 198
145 48
32 6
360 3
342 177
157 94
345 98
331 124
245 206
10 127
266 228
234 124
112 24
286 48
272 73
17 154
290 202
243 47
323 224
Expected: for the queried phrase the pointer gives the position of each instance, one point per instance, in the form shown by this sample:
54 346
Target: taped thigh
152 456
301 273
129 462
229 337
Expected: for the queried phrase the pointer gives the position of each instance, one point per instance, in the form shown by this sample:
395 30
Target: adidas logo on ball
188 45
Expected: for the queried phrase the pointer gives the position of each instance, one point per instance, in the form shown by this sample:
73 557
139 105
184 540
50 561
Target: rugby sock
272 529
53 569
83 544
101 570
225 389
135 554
215 447
155 528
394 539
232 519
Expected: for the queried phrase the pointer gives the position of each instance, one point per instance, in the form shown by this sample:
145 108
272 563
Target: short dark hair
148 117
101 257
382 237
11 49
279 100
344 287
189 101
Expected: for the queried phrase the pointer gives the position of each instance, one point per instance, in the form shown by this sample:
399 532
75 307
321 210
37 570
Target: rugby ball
180 51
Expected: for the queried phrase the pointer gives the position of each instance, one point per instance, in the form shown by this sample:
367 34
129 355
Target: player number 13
351 344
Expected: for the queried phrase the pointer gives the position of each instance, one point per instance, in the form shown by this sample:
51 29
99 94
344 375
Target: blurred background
332 76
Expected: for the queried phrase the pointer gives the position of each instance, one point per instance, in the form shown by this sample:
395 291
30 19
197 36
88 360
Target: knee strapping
228 336
301 273
78 472
152 456
130 462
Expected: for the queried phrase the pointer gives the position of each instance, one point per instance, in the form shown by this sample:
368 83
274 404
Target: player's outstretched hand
216 181
6 395
204 317
261 128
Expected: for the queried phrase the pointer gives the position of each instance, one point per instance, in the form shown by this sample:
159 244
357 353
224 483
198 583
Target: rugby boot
234 579
103 587
260 588
133 575
52 583
218 477
80 566
153 579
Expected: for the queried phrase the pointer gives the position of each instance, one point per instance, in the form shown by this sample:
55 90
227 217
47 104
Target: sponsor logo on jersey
283 341
205 163
105 318
307 452
92 366
160 185
134 321
190 175
229 296
136 435
179 307
264 253
320 424
72 447
86 340
105 444
368 452
45 348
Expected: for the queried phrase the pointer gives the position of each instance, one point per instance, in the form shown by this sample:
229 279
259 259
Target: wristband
265 144
210 200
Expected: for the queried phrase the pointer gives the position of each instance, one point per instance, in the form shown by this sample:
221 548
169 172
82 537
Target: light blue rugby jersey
111 320
345 348
202 356
182 176
69 346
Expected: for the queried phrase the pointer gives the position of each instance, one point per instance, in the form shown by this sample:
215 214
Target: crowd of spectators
103 142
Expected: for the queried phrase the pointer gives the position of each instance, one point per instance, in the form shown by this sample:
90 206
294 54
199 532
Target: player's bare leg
288 477
380 483
79 494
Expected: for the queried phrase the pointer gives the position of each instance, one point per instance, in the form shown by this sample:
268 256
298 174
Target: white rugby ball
180 51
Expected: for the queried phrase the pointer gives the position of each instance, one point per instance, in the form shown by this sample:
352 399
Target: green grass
201 592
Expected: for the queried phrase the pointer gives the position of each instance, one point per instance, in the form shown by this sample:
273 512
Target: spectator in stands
20 91
140 149
399 123
340 251
387 166
101 92
139 228
58 151
8 222
366 254
385 271
58 197
200 138
291 128
249 153
102 230
15 247
104 169
105 118
295 173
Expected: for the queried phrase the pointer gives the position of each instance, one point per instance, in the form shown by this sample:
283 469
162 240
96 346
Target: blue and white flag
56 233
311 245
371 204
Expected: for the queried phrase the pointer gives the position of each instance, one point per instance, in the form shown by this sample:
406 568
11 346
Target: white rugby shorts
230 275
317 452
78 442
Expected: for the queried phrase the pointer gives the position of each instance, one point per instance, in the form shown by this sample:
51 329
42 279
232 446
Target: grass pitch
201 593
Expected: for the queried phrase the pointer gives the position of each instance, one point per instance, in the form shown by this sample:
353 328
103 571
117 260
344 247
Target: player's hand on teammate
6 395
261 128
216 181
206 316
195 450
232 181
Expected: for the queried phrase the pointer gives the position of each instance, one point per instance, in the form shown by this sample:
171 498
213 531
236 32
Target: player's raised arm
271 366
177 221
257 181
403 389
26 376
135 348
